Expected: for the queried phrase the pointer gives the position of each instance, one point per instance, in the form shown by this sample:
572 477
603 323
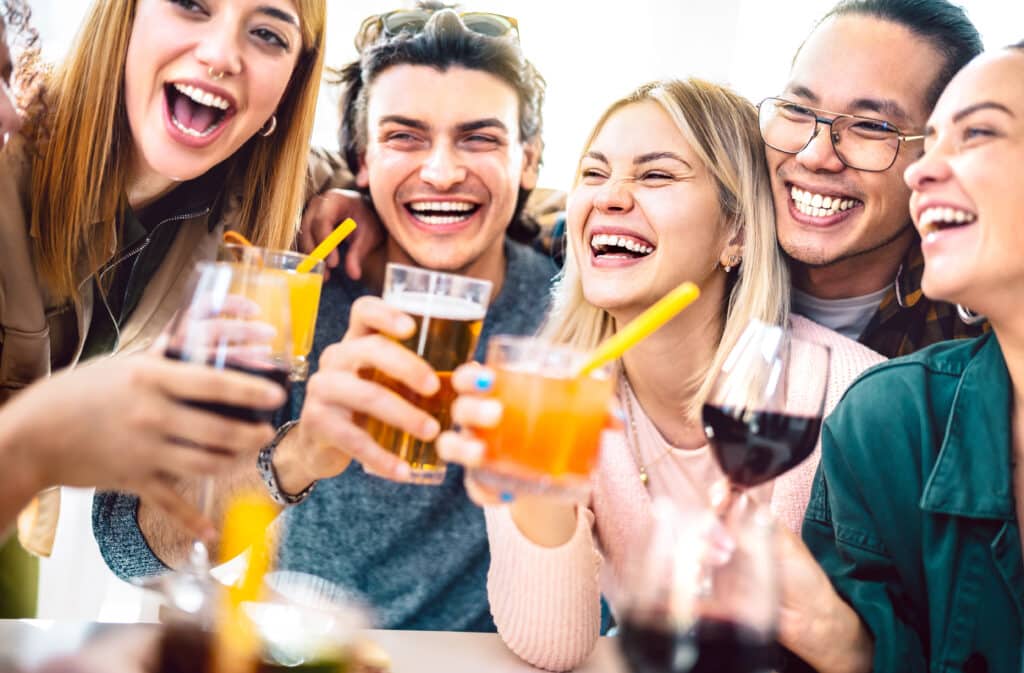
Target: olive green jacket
912 510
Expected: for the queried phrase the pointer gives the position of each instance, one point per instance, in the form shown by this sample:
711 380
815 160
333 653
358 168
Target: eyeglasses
862 143
414 21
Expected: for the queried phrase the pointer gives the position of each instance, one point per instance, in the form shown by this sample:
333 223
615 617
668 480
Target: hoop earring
968 316
267 132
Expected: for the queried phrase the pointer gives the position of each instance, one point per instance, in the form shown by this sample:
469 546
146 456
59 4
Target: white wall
591 52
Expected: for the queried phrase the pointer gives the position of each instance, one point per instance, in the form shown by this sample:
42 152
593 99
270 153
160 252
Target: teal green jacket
912 510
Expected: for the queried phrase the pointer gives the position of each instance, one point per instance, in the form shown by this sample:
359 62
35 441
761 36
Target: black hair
942 24
443 43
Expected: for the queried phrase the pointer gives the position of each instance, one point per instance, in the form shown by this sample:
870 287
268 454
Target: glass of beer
549 435
449 313
304 289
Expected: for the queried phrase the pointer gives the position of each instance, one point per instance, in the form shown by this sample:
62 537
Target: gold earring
734 261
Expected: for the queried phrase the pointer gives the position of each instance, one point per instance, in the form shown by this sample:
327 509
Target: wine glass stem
731 496
199 558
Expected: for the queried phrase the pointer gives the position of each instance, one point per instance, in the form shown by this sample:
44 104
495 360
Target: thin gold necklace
626 392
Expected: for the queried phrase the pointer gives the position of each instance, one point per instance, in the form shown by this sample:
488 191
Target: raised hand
329 435
322 215
122 424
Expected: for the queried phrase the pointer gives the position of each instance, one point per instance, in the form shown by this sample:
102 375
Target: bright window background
594 52
591 52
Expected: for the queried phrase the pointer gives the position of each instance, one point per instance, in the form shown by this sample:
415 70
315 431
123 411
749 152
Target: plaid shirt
907 321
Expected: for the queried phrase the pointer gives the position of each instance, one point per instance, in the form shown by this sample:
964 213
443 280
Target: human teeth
203 97
192 132
946 215
442 206
819 205
606 241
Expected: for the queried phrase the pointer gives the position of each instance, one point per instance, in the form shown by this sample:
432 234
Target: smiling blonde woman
672 186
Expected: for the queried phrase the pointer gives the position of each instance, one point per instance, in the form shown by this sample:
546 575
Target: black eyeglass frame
900 136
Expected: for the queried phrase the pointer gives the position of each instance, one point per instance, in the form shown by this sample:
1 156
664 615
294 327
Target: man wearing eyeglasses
441 128
838 140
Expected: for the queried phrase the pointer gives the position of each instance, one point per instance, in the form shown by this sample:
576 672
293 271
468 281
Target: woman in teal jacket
915 510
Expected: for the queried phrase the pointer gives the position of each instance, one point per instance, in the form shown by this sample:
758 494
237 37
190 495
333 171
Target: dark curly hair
443 43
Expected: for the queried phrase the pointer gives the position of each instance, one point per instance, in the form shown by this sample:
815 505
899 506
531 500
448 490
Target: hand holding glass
448 311
548 438
237 317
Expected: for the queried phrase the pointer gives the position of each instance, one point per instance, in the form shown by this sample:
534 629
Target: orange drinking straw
232 236
642 326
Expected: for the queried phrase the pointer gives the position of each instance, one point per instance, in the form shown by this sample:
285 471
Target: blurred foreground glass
549 435
236 317
303 624
763 416
304 289
700 594
449 314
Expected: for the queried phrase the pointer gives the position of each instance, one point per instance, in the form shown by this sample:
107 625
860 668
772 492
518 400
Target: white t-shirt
849 316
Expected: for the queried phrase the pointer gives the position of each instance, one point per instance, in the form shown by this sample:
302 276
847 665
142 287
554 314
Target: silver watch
265 465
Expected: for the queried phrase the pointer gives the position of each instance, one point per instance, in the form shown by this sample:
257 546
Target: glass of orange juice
549 435
304 293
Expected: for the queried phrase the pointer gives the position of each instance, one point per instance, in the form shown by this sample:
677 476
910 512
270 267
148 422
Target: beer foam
436 306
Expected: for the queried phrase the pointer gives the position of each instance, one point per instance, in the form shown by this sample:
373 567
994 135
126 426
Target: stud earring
734 261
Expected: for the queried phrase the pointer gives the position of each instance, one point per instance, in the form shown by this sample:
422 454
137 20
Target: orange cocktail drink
549 435
303 289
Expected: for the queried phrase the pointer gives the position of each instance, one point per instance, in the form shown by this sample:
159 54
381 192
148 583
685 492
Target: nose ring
214 75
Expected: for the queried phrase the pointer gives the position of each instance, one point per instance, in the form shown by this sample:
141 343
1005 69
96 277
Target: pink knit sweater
546 601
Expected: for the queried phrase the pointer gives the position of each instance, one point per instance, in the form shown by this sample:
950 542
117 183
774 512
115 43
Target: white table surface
27 643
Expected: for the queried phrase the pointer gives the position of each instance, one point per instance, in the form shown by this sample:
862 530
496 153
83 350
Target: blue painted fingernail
484 381
507 496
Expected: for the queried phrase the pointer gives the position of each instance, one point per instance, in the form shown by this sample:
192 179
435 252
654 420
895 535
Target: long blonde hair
722 130
80 171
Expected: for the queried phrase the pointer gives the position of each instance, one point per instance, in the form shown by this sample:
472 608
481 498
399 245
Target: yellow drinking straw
642 326
332 241
246 526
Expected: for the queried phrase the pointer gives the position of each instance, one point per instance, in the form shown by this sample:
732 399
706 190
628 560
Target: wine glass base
183 593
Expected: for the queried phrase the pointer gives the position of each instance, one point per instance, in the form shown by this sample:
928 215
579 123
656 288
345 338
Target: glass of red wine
236 317
763 415
700 595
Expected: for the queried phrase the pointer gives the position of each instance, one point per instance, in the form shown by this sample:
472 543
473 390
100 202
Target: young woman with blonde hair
169 121
672 186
